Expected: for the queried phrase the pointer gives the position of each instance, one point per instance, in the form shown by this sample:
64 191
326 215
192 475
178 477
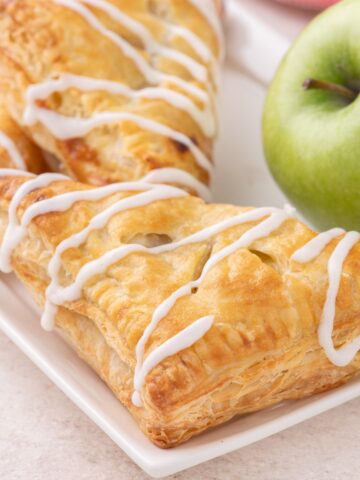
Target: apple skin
312 138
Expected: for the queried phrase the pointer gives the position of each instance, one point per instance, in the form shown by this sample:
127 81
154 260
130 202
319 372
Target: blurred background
309 4
258 34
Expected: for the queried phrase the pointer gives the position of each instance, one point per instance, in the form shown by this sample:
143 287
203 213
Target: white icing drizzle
14 231
156 193
182 340
208 11
59 295
63 128
344 355
62 202
152 193
7 143
177 176
59 203
12 172
204 118
264 228
315 246
193 40
152 76
149 42
138 29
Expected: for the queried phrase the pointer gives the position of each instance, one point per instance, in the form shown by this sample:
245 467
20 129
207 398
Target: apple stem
312 83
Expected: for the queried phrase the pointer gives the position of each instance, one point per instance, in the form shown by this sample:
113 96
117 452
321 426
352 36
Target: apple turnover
192 313
115 90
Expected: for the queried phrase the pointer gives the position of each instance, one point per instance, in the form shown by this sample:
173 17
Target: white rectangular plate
19 319
241 178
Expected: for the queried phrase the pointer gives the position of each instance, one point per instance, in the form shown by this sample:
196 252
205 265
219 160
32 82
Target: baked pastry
16 149
191 313
115 89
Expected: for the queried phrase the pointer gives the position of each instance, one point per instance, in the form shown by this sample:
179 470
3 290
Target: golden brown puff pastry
241 334
114 89
16 149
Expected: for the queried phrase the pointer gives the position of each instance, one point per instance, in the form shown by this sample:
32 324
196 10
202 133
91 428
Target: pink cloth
310 4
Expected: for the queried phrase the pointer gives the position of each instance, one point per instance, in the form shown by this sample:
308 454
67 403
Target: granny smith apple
311 122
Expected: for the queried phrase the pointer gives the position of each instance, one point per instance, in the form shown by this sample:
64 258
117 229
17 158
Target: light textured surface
44 436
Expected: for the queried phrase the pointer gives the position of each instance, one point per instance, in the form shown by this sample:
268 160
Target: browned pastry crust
40 40
263 346
30 153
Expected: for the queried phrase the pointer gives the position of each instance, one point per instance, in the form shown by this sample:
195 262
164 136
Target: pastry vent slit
201 264
266 258
151 240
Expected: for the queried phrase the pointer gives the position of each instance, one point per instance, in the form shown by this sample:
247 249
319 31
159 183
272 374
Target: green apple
311 122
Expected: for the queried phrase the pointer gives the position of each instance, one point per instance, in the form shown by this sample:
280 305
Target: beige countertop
44 436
